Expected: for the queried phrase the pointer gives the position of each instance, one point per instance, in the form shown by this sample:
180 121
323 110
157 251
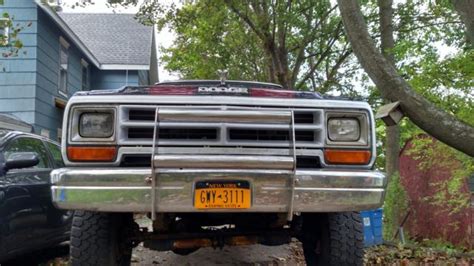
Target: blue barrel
372 221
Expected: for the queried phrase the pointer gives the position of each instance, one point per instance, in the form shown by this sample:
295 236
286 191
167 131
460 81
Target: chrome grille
136 128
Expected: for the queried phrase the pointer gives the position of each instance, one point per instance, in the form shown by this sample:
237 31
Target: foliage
206 44
299 44
431 54
11 45
418 254
450 194
395 206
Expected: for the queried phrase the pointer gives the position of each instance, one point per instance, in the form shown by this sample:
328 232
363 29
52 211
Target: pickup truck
216 163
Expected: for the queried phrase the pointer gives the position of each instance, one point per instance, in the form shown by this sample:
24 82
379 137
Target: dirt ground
260 255
291 254
248 255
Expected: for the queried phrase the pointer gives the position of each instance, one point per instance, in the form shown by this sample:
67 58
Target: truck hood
228 89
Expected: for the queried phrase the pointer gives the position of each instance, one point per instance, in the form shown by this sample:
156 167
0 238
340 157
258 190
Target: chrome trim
154 176
126 189
289 216
220 116
223 161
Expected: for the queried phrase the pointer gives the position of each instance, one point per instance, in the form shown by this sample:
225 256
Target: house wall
18 73
113 79
47 115
29 81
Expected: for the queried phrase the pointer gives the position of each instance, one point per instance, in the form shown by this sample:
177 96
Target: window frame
5 26
51 155
63 67
85 69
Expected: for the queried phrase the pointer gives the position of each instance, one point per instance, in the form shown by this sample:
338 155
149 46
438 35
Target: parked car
28 219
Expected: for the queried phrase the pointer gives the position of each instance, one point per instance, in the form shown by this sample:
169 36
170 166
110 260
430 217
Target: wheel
100 239
333 239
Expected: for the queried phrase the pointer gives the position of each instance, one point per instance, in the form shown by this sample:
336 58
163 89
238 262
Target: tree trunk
465 9
392 133
393 87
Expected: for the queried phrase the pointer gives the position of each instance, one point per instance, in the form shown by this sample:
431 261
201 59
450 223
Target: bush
395 206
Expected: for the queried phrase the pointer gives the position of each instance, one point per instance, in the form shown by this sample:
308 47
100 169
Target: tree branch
423 113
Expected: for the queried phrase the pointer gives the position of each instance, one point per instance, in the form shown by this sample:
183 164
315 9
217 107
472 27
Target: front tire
333 239
100 239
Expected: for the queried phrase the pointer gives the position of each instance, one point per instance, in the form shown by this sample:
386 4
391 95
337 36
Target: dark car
28 219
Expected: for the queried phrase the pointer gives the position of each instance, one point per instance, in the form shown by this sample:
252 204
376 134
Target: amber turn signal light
347 156
91 154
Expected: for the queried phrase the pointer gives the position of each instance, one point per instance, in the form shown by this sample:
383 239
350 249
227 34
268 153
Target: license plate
222 195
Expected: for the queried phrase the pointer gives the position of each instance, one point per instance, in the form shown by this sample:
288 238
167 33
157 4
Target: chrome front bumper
129 190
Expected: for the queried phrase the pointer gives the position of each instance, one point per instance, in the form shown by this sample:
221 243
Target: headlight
96 125
343 129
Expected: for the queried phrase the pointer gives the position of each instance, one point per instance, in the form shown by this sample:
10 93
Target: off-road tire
333 239
100 239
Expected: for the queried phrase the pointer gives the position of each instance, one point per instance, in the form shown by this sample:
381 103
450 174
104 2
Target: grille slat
269 135
149 115
174 133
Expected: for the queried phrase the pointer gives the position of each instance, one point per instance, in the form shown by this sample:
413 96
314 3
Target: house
63 53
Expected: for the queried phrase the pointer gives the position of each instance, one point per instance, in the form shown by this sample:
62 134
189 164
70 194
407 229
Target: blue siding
18 73
48 116
113 79
29 81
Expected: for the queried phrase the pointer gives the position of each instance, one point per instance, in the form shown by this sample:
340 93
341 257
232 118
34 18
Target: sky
164 38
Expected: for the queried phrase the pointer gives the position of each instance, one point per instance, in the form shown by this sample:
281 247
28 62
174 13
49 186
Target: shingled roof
113 39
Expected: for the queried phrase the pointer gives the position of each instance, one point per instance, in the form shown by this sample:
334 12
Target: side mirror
19 160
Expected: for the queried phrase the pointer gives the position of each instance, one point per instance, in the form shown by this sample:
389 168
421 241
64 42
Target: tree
392 86
387 44
294 34
205 44
465 10
298 44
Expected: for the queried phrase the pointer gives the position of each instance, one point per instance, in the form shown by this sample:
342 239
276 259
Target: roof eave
124 67
81 46
65 28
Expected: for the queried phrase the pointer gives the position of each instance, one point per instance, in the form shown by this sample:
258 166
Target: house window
63 64
85 75
4 31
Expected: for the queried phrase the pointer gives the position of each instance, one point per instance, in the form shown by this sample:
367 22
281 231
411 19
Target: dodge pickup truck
216 163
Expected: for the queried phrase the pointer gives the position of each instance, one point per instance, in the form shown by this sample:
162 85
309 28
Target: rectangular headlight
343 129
96 125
